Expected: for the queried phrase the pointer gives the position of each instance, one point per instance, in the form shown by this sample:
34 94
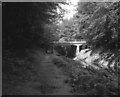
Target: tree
24 23
69 29
100 26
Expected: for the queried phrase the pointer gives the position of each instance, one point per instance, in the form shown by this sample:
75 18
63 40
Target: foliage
99 26
88 81
84 81
24 24
69 29
65 50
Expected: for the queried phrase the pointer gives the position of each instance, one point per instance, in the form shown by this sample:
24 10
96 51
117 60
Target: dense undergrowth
89 81
15 63
18 67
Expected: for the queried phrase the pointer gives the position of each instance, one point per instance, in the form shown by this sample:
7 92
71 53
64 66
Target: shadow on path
48 79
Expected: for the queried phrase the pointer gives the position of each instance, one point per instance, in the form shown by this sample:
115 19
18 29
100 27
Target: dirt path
50 81
53 77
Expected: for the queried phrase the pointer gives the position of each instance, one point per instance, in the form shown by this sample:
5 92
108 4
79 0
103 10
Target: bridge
75 43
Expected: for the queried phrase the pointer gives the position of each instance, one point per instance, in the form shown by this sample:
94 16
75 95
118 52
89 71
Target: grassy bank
21 69
88 81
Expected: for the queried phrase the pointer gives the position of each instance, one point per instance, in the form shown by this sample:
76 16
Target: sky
70 9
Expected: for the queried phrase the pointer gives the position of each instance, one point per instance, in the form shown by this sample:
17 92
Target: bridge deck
70 43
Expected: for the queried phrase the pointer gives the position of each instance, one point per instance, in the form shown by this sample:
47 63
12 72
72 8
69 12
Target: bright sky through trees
70 9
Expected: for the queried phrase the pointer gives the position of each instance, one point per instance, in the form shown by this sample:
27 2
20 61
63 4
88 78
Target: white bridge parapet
70 42
75 43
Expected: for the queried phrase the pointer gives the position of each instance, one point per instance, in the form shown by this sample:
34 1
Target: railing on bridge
75 43
70 43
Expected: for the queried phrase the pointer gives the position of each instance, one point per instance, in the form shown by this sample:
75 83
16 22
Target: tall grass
88 81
